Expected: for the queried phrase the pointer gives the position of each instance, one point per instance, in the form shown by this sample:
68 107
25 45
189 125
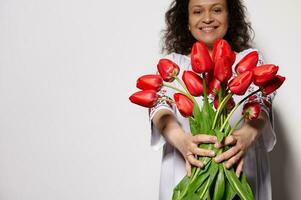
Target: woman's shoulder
243 53
178 58
246 51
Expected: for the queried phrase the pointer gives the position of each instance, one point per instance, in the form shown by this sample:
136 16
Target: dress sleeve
157 140
267 138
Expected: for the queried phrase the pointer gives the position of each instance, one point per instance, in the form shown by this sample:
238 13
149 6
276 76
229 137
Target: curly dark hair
177 37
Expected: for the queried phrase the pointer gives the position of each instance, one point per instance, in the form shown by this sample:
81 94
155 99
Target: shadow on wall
280 160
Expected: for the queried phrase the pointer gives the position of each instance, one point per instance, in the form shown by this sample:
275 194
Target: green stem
236 106
220 108
175 88
236 124
206 102
187 92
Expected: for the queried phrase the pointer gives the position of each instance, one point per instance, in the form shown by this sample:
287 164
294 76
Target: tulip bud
222 49
200 58
251 110
247 63
214 86
184 104
168 69
145 98
223 69
193 82
272 85
264 73
150 82
230 104
241 83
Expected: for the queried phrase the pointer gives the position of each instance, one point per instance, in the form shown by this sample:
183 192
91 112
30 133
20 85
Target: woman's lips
208 29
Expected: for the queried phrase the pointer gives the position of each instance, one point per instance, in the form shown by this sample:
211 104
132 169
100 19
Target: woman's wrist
173 133
170 129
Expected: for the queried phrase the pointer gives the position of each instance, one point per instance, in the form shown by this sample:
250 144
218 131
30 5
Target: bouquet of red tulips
211 75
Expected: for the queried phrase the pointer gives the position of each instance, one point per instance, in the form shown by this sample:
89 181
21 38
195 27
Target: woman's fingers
203 152
188 168
239 167
234 160
229 140
203 138
227 155
192 160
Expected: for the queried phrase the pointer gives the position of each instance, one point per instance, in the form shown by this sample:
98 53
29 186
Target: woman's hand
187 144
240 141
189 149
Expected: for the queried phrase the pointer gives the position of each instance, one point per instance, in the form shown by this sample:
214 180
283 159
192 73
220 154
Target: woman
189 21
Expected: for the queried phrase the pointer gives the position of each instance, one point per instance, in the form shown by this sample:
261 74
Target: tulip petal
145 98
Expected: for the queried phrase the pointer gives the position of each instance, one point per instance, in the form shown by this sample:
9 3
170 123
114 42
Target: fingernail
217 145
217 159
212 153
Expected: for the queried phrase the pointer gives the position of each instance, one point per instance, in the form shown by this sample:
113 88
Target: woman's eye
197 12
218 10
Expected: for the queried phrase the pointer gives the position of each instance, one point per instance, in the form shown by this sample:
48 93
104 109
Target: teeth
207 28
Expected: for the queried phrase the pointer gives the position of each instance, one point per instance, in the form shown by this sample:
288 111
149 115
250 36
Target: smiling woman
189 21
208 20
178 38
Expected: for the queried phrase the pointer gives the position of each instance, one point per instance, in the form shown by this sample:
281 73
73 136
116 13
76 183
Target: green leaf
182 184
191 196
229 192
200 179
246 185
236 184
220 135
212 171
219 188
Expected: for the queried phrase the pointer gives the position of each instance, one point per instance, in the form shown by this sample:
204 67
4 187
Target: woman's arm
187 144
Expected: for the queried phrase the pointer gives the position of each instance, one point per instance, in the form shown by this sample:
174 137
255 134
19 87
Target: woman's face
208 20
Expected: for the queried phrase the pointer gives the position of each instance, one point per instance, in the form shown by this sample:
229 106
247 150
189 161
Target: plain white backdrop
67 68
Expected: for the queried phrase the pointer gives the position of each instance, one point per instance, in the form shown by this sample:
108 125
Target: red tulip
264 73
247 63
222 49
145 98
184 104
251 110
193 82
200 58
241 83
229 106
150 82
272 85
168 69
223 69
214 86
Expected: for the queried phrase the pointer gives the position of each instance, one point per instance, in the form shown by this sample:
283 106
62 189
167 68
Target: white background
67 68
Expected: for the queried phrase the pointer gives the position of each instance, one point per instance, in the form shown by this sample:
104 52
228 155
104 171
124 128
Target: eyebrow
211 5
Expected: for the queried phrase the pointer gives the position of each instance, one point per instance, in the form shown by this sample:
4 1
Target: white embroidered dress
256 163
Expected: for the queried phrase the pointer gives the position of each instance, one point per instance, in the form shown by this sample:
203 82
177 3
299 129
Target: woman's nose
208 18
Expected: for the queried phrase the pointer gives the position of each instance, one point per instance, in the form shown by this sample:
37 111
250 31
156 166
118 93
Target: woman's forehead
206 2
